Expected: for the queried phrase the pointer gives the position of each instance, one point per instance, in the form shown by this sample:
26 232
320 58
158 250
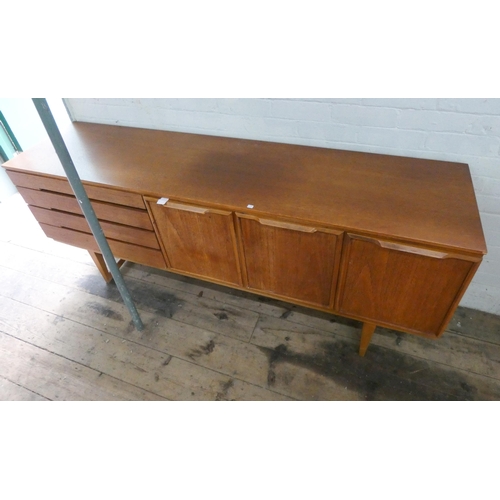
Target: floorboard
14 392
57 378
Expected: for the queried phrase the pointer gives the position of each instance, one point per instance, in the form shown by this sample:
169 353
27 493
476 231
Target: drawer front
98 193
400 285
104 211
39 182
133 253
117 232
290 260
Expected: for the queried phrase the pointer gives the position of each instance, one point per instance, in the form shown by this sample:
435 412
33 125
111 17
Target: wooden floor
66 335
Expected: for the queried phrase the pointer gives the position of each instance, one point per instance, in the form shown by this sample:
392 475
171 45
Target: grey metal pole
76 184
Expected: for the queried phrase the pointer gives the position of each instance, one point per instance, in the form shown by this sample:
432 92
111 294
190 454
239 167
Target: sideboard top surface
427 201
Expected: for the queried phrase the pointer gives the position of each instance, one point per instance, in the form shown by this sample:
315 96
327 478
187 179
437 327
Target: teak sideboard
390 241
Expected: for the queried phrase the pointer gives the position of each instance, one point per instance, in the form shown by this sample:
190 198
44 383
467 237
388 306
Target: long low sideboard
387 240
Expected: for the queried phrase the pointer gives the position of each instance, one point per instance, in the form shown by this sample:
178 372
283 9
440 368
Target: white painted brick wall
463 130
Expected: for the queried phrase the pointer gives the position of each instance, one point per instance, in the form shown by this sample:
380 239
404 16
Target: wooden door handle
404 248
287 225
186 208
193 208
284 225
409 249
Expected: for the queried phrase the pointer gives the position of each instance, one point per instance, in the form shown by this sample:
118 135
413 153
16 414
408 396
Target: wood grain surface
402 289
293 261
198 241
418 200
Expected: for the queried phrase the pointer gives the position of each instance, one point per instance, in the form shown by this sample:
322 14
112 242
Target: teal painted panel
9 145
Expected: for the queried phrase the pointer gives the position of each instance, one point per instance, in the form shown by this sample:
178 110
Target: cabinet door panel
399 285
198 240
290 260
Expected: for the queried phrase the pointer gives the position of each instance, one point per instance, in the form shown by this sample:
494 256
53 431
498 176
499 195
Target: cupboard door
198 240
399 285
290 260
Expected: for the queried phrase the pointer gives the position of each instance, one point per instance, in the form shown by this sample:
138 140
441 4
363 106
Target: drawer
133 253
104 211
111 230
99 193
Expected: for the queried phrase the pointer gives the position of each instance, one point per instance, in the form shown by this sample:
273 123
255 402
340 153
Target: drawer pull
287 225
415 250
187 208
405 248
190 208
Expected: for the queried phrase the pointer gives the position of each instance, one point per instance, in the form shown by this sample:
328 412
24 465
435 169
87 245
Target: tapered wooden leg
366 336
101 265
